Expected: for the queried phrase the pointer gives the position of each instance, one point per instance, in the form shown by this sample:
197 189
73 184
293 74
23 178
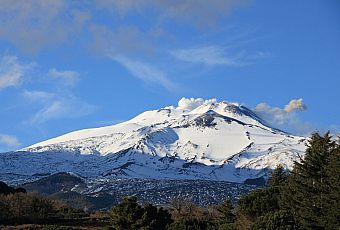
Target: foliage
187 215
308 194
21 208
130 215
278 178
278 220
307 198
191 224
6 190
224 217
331 202
259 202
226 211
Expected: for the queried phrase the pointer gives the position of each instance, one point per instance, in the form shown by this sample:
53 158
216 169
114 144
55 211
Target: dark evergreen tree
305 195
21 190
278 178
155 218
331 199
259 202
127 214
6 190
192 224
307 198
278 220
130 215
226 212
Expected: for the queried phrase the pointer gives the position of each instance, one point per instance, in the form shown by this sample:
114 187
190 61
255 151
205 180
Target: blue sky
68 65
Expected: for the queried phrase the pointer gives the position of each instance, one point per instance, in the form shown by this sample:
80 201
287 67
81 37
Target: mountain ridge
208 140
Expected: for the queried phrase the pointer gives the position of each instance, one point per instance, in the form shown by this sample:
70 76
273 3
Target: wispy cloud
66 76
286 117
64 108
145 72
12 72
34 24
36 95
9 140
195 12
59 102
216 55
56 106
125 40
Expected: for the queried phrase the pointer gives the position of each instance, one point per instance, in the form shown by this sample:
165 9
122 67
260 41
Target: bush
130 215
6 190
191 224
25 208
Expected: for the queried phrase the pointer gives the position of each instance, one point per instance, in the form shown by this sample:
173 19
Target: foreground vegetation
306 198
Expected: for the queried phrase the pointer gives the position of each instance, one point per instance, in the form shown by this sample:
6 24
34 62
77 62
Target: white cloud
193 103
37 95
295 105
9 140
209 55
273 115
145 72
57 106
62 108
12 72
285 118
216 55
126 42
34 24
67 76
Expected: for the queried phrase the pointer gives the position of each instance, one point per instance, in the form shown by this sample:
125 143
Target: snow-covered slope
208 140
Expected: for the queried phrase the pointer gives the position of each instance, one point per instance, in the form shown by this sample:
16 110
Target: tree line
308 197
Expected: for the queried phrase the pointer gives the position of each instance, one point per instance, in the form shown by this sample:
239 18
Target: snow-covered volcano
197 140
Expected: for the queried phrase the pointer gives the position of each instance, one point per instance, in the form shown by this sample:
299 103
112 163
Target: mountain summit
198 139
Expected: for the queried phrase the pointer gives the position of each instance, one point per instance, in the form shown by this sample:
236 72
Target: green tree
6 190
225 215
259 202
306 198
305 195
278 178
191 224
278 220
127 214
331 200
130 215
155 218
